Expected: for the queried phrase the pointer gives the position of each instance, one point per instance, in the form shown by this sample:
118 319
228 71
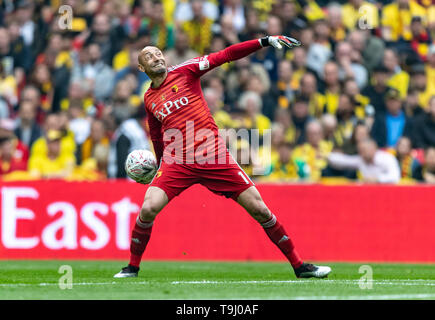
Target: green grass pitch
157 280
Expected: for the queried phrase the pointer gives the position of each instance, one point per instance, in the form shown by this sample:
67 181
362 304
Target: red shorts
227 180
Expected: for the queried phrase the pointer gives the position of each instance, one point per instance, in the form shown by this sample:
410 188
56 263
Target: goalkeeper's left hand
278 41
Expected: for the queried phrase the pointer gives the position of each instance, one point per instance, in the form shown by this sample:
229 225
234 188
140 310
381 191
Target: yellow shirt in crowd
314 159
67 146
367 13
43 166
396 22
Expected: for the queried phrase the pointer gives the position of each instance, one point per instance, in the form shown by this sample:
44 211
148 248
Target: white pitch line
392 282
370 297
416 282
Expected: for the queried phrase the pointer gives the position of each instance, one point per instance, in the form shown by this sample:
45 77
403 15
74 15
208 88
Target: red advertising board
92 220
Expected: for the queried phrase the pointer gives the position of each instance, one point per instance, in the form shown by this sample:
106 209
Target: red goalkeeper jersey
179 119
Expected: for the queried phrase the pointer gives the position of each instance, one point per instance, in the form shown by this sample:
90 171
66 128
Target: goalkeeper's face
151 61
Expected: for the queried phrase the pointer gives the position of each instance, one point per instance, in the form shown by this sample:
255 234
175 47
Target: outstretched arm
199 66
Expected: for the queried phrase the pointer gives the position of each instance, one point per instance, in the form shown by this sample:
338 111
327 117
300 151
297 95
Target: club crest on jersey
174 88
169 107
204 64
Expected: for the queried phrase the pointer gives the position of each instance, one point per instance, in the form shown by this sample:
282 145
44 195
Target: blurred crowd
356 102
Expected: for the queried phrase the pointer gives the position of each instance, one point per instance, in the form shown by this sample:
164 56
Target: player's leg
155 200
251 200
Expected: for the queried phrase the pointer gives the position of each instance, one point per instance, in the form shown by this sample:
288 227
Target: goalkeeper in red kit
177 114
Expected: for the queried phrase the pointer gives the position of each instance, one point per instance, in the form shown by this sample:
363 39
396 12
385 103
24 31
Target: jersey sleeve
200 65
155 128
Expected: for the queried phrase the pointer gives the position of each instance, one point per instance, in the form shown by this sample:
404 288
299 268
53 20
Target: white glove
278 41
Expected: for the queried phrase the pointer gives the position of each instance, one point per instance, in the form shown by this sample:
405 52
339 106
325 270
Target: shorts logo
204 64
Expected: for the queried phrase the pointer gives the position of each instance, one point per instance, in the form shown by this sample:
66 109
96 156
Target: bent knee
260 212
149 211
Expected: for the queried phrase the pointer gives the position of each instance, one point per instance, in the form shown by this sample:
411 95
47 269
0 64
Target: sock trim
142 224
269 223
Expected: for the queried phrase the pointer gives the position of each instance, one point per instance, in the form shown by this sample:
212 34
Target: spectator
389 127
329 125
284 87
53 122
98 73
370 48
227 32
360 132
310 157
408 163
27 129
41 79
283 118
96 144
21 52
346 119
198 28
235 10
412 104
129 135
23 14
260 85
374 165
351 89
424 127
251 25
420 83
330 87
53 164
349 62
320 51
420 40
186 10
308 90
360 13
215 104
250 103
426 172
396 19
78 123
430 66
8 93
397 78
13 153
299 62
283 168
181 51
140 77
335 22
376 92
300 117
268 57
161 31
106 37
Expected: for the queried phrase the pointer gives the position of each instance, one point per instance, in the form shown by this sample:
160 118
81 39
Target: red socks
139 239
279 237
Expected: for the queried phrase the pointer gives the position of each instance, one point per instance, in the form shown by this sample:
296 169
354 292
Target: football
141 166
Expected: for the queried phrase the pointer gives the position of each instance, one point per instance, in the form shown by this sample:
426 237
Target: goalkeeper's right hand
278 41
